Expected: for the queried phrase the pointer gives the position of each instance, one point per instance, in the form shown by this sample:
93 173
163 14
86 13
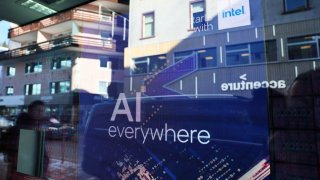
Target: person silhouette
33 119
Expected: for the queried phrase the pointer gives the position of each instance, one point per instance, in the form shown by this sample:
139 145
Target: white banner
233 13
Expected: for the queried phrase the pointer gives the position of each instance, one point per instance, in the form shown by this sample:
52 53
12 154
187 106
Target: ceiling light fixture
162 57
245 54
37 7
208 58
202 51
305 47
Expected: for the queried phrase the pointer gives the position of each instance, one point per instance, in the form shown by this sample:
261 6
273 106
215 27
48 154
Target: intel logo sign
233 12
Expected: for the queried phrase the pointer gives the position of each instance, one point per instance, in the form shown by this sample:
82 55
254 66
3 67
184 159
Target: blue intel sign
233 12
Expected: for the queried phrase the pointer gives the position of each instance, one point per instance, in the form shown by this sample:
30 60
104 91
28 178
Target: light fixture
208 58
36 7
305 47
162 57
245 54
202 51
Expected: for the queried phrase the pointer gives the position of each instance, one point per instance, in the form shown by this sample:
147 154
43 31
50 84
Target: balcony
75 14
76 41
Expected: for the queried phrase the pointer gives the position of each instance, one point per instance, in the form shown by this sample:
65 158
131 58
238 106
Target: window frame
30 87
143 25
286 11
315 41
59 63
191 28
195 53
33 66
7 88
8 71
59 87
147 61
249 51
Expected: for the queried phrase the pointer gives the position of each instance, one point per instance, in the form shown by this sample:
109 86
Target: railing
75 14
59 43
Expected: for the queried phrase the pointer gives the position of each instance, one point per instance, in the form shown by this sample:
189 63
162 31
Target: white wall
172 19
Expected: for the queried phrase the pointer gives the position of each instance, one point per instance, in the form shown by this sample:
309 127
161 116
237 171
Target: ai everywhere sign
233 13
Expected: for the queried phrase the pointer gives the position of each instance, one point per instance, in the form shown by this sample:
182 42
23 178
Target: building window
61 63
251 53
34 67
104 62
304 47
178 56
59 87
197 14
295 5
11 71
148 25
205 57
149 64
103 87
237 54
140 66
9 90
32 89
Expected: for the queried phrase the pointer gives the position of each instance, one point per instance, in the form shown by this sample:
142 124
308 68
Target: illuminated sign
233 13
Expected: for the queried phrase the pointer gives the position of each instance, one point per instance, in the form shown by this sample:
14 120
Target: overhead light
162 57
50 1
208 58
202 51
245 54
305 47
36 7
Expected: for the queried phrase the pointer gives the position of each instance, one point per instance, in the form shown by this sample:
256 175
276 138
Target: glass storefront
205 89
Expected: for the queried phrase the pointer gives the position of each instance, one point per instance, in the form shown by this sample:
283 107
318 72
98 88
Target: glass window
103 87
149 64
32 89
38 67
9 90
148 25
34 67
157 63
257 52
66 63
197 14
59 87
178 56
252 53
36 89
295 5
11 71
55 64
104 62
61 63
140 66
207 57
237 54
303 47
